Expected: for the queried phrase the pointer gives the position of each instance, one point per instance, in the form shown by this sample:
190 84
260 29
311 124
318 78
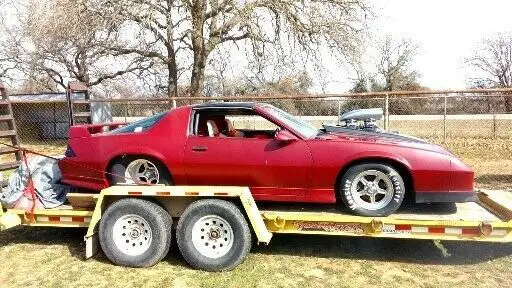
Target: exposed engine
361 119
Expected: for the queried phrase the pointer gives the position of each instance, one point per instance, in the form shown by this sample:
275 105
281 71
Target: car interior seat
213 130
230 129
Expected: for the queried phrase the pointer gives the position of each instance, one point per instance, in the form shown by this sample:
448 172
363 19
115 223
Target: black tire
118 169
397 184
156 217
241 235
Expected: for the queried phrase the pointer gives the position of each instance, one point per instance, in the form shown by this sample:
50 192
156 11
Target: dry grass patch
53 257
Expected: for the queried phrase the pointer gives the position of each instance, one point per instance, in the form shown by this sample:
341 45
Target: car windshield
140 125
297 124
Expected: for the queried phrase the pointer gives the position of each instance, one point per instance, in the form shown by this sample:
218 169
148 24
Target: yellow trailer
215 225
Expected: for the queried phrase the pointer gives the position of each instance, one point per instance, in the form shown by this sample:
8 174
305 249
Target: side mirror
284 137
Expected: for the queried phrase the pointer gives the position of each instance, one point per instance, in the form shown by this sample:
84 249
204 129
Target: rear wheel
133 170
372 189
213 235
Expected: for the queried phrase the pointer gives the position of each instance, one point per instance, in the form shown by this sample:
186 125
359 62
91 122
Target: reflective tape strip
65 219
419 229
457 231
134 193
397 229
164 193
499 232
178 193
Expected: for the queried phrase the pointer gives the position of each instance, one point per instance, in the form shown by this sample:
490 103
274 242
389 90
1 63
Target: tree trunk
198 46
172 69
172 75
172 82
197 80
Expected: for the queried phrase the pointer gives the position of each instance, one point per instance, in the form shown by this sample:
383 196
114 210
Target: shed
46 115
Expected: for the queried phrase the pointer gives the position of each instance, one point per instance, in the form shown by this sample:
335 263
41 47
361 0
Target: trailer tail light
69 152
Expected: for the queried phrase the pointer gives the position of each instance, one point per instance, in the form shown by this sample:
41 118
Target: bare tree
68 41
394 64
493 62
9 49
216 76
174 31
8 62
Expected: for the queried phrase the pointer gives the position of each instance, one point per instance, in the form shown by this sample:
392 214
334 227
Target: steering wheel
277 131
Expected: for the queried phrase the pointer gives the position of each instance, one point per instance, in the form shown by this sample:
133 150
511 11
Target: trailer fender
165 193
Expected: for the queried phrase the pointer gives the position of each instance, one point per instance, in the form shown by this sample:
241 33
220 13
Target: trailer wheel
135 232
213 235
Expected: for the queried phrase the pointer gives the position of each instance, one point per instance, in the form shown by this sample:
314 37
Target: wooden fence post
386 113
444 118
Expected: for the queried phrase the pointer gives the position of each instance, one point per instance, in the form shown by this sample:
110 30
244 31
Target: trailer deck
488 220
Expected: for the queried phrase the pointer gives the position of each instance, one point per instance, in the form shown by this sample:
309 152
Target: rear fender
137 151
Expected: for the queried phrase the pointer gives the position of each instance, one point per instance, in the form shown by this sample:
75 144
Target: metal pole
386 113
70 106
126 113
494 125
339 111
444 118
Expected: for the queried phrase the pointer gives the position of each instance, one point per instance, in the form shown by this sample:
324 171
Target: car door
273 171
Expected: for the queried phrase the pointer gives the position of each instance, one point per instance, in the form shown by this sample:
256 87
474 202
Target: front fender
361 156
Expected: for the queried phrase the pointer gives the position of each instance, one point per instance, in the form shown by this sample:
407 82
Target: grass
53 257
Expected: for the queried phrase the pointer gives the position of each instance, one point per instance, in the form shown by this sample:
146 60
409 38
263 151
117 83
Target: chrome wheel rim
372 190
142 170
212 236
132 234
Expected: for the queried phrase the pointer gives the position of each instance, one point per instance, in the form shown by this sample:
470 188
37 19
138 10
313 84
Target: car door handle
199 148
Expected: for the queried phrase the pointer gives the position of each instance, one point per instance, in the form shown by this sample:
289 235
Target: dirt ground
53 257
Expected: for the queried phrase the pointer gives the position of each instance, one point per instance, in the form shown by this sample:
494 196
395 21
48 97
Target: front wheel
372 189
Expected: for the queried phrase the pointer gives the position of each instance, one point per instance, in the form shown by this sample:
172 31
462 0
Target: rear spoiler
87 130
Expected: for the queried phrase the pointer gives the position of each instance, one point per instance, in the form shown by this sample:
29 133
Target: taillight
69 152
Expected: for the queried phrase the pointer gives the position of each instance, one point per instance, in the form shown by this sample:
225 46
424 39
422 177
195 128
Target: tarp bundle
46 178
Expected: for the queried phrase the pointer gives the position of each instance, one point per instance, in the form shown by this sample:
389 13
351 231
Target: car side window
251 122
232 123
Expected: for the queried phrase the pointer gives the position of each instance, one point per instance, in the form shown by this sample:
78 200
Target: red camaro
280 157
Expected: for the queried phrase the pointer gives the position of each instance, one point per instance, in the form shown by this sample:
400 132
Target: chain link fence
474 125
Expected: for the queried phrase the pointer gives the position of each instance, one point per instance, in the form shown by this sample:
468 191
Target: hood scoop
361 119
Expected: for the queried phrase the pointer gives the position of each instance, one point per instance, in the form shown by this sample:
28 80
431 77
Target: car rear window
140 125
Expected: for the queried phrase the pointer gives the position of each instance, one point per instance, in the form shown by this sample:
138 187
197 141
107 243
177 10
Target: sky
446 32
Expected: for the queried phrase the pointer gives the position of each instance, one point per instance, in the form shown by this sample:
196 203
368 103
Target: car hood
382 138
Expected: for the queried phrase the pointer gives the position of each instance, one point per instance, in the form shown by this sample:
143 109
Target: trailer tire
135 232
372 189
213 235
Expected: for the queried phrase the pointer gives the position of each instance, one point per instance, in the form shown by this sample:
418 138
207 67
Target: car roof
207 105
